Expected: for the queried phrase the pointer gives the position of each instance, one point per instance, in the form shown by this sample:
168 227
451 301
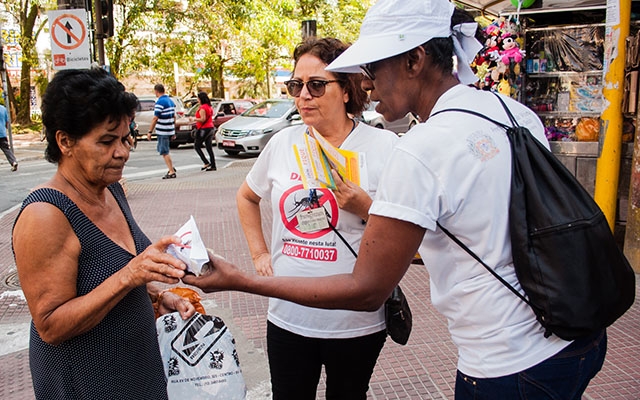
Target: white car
371 117
250 131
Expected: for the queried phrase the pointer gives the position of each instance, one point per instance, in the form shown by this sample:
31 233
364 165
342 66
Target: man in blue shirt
164 123
4 142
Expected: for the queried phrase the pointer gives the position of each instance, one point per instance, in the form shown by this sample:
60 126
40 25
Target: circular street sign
63 28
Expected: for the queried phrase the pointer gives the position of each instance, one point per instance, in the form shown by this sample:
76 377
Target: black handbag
575 277
397 316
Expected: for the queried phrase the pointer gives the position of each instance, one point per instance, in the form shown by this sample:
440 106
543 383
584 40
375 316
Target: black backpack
575 277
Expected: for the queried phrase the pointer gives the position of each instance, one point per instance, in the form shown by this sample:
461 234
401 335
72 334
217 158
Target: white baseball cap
392 27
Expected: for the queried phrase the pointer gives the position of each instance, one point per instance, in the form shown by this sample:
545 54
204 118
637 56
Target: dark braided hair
441 49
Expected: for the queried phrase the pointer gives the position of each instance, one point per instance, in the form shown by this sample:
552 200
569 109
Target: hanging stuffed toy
504 87
510 49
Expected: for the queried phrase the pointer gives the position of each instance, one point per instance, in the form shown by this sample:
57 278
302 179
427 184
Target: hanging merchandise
498 66
564 80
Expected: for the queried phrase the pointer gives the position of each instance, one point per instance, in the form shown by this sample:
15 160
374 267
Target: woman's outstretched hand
219 275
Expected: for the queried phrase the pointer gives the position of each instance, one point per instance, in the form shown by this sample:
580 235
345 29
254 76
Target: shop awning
505 7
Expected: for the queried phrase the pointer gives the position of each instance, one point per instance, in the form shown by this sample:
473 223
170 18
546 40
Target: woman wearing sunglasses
301 339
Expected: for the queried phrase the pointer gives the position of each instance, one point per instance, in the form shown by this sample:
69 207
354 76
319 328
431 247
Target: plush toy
482 70
504 87
510 50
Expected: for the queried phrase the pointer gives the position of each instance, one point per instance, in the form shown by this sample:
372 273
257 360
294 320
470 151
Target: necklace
84 197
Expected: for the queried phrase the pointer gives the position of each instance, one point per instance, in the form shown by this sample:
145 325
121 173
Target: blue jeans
296 361
564 376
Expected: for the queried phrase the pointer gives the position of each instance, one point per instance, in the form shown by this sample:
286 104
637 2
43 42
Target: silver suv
250 131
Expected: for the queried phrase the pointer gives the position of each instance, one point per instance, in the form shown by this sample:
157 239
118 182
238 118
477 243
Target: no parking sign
69 39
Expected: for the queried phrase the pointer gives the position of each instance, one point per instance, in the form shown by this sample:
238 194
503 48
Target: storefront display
561 78
555 69
563 81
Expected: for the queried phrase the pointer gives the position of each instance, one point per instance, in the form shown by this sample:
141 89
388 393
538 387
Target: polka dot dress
120 357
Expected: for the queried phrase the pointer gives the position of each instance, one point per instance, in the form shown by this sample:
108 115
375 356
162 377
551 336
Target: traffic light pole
97 6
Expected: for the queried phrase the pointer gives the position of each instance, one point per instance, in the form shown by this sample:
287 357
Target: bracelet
159 298
161 294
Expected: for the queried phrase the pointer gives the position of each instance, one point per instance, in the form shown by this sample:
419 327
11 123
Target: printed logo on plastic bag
200 358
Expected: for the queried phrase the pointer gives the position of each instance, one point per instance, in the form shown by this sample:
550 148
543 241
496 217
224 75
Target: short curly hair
76 101
327 50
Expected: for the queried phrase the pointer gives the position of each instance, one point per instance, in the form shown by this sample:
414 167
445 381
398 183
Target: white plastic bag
200 358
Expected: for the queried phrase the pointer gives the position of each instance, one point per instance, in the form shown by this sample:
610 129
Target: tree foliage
211 41
26 13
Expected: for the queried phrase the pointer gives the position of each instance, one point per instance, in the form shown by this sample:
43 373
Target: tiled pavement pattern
423 369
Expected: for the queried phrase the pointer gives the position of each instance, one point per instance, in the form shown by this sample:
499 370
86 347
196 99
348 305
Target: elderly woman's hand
154 264
169 302
351 197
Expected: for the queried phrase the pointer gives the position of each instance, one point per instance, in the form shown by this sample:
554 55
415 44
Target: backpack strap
514 123
477 114
478 259
451 235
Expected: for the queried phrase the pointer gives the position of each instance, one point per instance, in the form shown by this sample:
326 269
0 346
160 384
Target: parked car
144 112
185 128
372 117
190 102
250 131
224 110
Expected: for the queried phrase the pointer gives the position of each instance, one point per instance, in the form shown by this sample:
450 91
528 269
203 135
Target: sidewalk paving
423 369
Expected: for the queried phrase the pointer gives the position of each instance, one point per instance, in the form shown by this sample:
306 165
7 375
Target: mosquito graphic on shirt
307 203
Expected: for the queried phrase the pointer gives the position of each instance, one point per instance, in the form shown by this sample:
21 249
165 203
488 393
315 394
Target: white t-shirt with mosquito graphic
295 251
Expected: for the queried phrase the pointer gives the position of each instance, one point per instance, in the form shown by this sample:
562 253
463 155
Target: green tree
218 22
266 42
26 13
221 39
121 48
215 39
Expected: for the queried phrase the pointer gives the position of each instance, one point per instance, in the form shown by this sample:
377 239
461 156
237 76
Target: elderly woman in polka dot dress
85 266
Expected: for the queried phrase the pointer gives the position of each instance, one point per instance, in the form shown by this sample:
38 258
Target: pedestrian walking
133 133
451 169
204 132
4 141
164 123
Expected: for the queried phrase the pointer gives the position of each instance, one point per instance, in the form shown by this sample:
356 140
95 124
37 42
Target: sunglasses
316 87
367 70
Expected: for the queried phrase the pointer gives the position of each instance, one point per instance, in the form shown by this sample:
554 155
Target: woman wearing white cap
453 169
